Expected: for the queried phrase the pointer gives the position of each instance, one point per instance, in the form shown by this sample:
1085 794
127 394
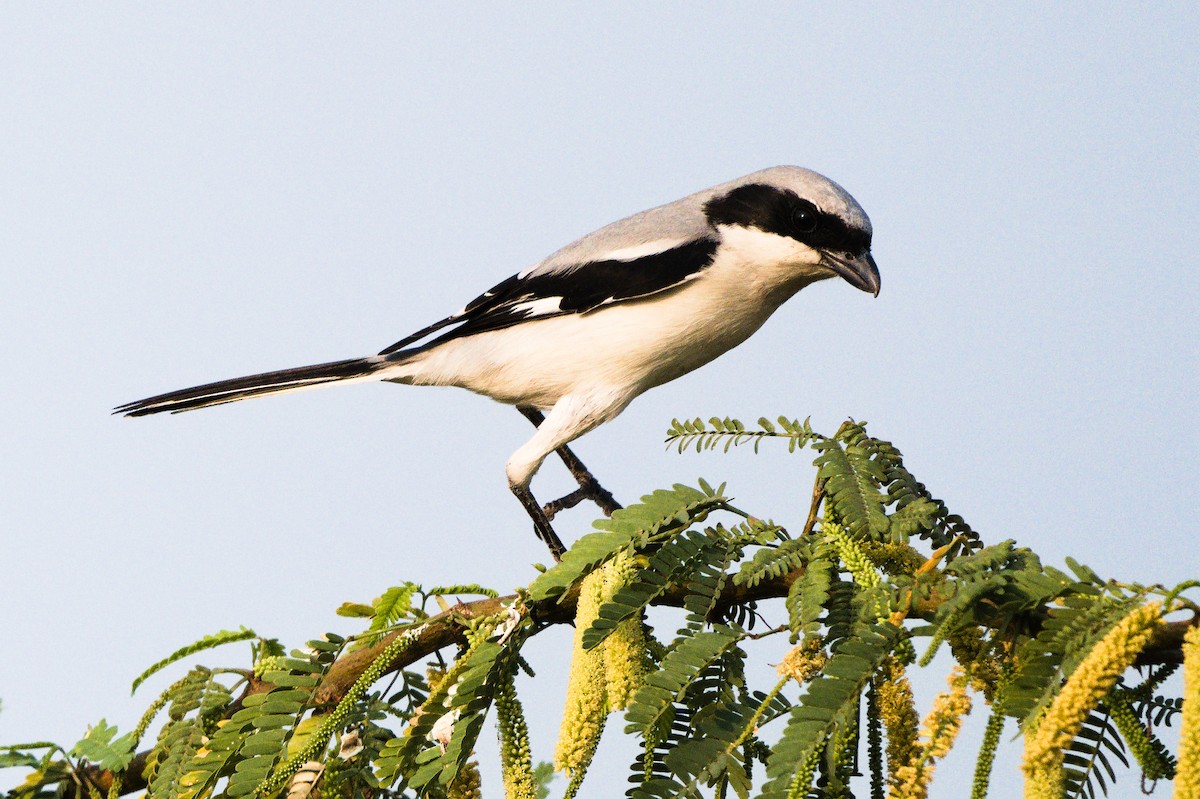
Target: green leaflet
355 610
12 757
272 775
770 563
673 562
826 700
1006 577
1067 636
195 702
727 433
470 702
808 597
472 699
414 758
207 642
679 668
708 578
698 738
842 609
916 518
714 752
953 612
102 747
992 558
464 588
1086 762
248 745
940 526
852 481
1156 760
662 513
255 738
391 606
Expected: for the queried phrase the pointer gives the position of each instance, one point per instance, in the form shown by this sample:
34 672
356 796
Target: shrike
631 306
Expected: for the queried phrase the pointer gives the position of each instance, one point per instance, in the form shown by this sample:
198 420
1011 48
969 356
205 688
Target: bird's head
812 222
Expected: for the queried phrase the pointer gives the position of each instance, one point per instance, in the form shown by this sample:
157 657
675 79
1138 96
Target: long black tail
240 388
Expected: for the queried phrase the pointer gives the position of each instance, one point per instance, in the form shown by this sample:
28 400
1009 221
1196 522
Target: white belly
622 349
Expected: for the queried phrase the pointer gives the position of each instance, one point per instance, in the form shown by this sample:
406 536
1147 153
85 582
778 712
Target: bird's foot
591 490
541 522
551 509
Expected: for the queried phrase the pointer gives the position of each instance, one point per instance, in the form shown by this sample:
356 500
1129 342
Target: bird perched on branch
629 307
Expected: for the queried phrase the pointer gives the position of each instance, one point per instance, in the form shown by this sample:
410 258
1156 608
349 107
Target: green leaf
727 433
11 759
852 486
101 747
355 610
465 588
771 562
1068 634
808 596
467 692
659 515
543 775
393 605
207 642
673 563
828 700
679 668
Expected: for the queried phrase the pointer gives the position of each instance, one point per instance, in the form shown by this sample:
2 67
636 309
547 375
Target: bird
573 339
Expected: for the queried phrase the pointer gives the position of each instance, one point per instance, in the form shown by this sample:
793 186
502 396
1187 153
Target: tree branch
448 627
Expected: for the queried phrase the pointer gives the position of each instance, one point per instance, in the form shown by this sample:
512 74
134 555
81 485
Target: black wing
577 289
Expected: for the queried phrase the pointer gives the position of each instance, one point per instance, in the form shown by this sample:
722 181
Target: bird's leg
541 523
589 487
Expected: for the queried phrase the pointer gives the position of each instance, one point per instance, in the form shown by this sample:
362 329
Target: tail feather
260 385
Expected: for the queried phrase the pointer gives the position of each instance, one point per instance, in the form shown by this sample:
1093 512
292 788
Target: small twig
817 495
783 628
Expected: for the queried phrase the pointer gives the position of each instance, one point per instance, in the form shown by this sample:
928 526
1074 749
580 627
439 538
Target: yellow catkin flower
938 731
974 654
892 557
1091 681
587 699
466 784
516 758
804 661
1187 772
624 662
625 648
898 712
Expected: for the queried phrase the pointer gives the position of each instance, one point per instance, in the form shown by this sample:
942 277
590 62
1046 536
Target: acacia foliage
877 579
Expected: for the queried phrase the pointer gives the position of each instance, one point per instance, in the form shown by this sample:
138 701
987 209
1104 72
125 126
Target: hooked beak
857 270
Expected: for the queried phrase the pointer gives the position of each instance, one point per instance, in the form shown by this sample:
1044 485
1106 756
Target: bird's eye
805 218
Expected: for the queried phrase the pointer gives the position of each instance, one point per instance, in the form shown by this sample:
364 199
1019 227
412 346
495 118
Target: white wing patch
539 307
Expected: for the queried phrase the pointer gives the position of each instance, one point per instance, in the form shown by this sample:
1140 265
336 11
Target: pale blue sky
193 192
